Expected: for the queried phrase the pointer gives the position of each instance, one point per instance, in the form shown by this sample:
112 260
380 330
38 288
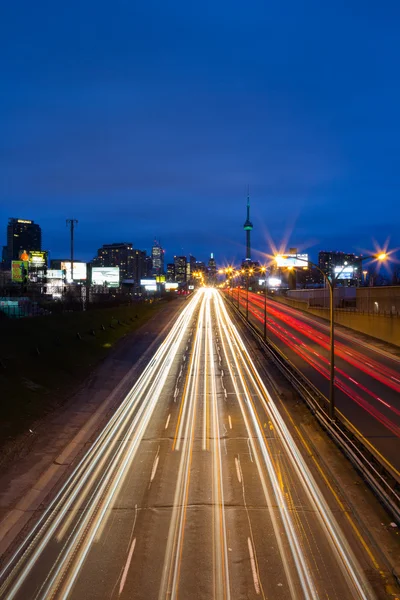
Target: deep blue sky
146 119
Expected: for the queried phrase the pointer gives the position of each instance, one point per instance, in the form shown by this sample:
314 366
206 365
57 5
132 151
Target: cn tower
248 226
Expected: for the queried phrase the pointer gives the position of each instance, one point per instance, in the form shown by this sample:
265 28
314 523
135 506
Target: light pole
331 283
249 272
264 270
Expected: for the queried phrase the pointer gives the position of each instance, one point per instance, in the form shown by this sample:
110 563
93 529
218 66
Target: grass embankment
44 358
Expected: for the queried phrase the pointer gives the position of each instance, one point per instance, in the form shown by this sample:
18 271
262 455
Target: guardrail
375 470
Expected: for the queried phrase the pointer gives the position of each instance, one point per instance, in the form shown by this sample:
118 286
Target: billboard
19 270
274 282
150 285
79 270
54 274
292 260
105 276
160 278
37 258
344 272
171 286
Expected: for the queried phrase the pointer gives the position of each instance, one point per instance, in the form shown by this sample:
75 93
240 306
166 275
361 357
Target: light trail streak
138 405
305 353
221 564
303 573
376 370
185 430
79 513
344 556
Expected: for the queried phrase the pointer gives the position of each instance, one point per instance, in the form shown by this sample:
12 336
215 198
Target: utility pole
71 223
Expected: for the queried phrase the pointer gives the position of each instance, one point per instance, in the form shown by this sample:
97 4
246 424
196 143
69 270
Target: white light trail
134 412
344 556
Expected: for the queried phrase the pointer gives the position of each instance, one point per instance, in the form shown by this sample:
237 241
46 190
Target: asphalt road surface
367 379
196 489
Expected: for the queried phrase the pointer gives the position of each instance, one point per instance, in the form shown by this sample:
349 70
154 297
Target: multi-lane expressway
198 487
367 378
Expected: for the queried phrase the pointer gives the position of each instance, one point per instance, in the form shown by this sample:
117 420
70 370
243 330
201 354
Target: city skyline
266 254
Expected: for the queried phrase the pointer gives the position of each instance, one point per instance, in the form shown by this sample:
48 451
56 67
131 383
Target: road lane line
253 567
127 565
155 465
167 423
248 444
230 421
238 470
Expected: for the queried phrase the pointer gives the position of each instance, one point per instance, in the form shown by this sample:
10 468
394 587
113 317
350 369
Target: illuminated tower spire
248 226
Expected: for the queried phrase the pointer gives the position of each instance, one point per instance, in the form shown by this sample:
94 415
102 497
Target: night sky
149 119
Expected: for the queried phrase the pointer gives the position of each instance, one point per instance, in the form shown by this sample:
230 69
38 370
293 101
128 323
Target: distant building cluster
118 264
121 265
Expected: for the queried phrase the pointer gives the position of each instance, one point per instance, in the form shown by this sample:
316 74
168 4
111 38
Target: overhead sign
274 282
54 274
344 272
148 282
105 276
37 258
19 270
80 271
150 285
292 260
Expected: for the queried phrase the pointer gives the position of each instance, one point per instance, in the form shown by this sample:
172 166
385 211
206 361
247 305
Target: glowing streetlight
331 284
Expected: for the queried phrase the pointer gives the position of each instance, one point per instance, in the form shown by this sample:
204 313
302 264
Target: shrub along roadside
44 358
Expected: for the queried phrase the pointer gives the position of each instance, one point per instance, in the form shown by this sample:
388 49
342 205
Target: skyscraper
248 226
190 267
120 255
157 256
212 269
170 272
22 234
180 269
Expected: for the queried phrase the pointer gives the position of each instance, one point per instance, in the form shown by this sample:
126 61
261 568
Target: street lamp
249 272
331 284
264 270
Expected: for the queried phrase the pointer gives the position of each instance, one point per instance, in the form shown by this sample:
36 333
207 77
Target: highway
367 379
197 488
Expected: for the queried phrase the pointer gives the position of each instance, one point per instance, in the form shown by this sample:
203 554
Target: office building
180 269
201 267
157 257
190 267
120 255
22 235
170 277
212 270
345 267
140 265
148 267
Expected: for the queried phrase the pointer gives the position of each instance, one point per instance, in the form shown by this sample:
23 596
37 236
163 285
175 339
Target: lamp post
331 284
249 272
264 270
